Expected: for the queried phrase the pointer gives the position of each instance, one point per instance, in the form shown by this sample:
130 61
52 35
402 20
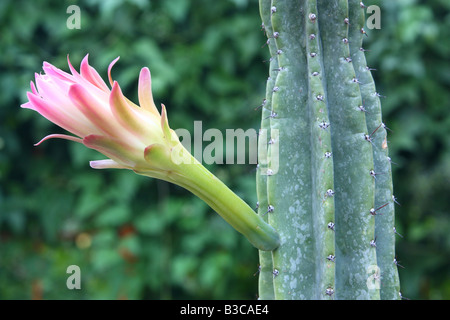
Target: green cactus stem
197 179
329 188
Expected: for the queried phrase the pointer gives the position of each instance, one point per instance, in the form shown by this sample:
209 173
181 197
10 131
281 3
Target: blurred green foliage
411 54
139 238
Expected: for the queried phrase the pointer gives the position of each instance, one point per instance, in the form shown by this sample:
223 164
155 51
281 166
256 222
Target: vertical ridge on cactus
353 158
292 215
333 185
321 165
265 281
385 223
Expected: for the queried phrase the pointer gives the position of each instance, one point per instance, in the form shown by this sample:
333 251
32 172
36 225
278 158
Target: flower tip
26 105
145 71
165 122
116 92
42 140
110 68
115 85
145 91
59 136
38 143
85 62
145 79
33 88
72 69
33 99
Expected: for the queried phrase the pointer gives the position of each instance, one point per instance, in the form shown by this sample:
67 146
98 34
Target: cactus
324 178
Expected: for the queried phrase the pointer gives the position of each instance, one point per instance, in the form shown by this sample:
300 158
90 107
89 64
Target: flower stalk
197 179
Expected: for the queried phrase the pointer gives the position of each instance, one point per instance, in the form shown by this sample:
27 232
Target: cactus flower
135 137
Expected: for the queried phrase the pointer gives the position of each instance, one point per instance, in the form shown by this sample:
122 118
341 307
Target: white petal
106 164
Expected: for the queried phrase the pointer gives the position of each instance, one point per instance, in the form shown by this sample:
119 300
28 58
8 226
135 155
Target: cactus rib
265 281
384 224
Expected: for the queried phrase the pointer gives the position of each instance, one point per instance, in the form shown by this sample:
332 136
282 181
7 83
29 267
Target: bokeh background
139 238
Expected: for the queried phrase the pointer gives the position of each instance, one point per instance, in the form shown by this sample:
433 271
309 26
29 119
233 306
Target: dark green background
152 240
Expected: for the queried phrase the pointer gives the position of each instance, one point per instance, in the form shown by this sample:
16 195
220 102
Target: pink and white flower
104 119
135 137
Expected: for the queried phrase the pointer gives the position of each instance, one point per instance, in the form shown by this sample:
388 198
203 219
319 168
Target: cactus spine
324 182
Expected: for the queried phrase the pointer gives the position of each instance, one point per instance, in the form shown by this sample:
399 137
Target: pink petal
55 90
109 70
54 72
85 83
91 75
27 105
93 110
33 88
59 136
145 91
74 72
55 114
165 123
125 113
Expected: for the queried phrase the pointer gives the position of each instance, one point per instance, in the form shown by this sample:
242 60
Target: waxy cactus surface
324 182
